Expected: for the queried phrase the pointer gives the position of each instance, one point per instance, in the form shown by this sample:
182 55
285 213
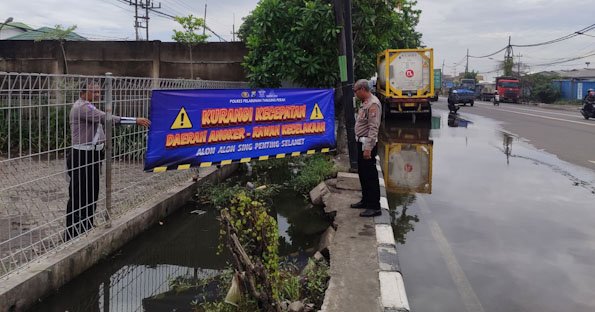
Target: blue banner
206 127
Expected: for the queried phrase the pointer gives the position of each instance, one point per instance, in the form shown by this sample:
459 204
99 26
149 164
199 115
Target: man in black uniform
366 132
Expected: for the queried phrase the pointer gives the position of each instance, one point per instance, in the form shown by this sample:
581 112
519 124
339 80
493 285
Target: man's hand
367 154
143 122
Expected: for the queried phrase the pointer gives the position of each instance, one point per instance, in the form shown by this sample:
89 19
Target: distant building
573 84
575 74
38 34
22 31
13 29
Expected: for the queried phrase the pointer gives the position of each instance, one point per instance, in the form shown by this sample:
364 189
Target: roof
37 34
19 25
585 73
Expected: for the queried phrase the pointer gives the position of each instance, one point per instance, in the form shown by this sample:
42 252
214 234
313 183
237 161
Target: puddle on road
501 226
139 277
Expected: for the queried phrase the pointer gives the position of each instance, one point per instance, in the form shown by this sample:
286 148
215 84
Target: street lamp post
8 20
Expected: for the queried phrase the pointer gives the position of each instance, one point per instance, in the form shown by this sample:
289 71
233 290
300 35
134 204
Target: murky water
140 276
502 227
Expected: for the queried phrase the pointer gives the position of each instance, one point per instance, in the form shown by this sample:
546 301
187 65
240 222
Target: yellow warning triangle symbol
182 121
316 113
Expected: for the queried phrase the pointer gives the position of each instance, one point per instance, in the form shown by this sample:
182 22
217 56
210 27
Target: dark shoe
359 205
370 213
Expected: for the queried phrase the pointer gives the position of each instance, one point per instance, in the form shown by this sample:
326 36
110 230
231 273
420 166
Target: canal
146 274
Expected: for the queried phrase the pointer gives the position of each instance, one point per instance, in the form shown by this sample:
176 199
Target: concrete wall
156 59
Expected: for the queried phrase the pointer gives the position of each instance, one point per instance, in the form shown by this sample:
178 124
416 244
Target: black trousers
84 168
368 178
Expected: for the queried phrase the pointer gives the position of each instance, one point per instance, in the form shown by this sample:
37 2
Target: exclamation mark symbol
182 119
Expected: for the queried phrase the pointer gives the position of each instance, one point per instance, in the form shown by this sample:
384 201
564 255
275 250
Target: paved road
505 227
563 133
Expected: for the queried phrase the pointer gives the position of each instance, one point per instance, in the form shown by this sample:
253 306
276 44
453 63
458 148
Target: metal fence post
108 147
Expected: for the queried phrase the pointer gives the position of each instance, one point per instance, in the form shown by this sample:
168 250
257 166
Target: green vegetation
540 87
59 33
316 281
297 41
251 234
188 36
471 75
315 170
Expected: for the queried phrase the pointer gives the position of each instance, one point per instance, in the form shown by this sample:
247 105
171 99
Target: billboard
206 127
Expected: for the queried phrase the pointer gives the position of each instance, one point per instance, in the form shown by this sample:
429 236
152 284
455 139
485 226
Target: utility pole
343 20
518 62
204 25
467 65
233 28
508 59
138 20
136 23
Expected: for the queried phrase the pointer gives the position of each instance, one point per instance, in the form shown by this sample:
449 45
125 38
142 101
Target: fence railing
35 143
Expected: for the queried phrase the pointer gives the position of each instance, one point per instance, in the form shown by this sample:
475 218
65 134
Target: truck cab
509 89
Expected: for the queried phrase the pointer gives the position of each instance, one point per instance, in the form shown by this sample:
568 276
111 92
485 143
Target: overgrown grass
316 278
315 170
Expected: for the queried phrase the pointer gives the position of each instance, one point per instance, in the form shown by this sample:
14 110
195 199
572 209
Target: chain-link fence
40 165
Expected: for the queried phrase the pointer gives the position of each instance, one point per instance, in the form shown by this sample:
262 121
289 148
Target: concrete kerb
392 286
21 289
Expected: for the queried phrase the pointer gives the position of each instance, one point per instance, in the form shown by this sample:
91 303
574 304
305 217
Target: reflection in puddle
517 221
455 120
406 152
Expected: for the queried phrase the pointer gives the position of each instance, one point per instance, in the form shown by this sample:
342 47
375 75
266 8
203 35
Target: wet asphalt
503 226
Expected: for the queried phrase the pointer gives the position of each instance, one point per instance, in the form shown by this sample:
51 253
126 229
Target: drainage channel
143 275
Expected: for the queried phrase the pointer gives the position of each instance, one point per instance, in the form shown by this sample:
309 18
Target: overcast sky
450 27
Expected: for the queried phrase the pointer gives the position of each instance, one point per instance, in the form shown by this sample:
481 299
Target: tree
60 34
380 25
188 36
540 87
471 75
296 40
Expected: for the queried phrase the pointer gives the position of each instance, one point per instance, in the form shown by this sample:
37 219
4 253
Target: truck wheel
471 103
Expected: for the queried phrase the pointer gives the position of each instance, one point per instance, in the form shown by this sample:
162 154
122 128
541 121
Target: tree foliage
189 35
540 87
59 33
471 75
297 40
291 40
380 25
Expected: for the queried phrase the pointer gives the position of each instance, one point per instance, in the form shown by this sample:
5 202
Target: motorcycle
588 113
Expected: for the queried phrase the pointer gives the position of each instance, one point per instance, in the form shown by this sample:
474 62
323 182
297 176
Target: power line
566 37
206 27
491 54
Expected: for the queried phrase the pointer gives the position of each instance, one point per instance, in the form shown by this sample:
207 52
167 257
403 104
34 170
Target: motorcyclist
588 103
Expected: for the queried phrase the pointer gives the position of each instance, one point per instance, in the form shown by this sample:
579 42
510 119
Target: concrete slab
348 181
393 291
354 284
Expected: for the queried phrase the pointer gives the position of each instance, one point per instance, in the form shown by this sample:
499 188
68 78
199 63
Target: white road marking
592 161
536 110
548 117
468 296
